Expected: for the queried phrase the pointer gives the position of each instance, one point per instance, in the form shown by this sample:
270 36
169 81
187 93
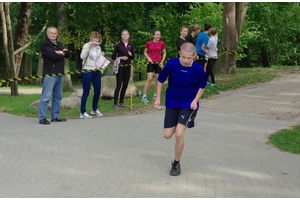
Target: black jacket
53 62
120 50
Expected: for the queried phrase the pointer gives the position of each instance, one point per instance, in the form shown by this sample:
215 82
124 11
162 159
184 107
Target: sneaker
154 97
97 113
116 108
213 85
122 105
175 170
145 100
85 116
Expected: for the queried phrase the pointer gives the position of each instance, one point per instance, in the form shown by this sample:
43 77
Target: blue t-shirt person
201 39
183 83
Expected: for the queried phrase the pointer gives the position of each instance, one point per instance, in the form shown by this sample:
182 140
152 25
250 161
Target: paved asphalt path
225 155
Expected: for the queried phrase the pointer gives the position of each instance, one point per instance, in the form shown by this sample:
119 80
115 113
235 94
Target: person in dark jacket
184 30
53 55
125 52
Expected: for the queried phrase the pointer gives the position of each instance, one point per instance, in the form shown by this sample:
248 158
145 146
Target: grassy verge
287 139
20 105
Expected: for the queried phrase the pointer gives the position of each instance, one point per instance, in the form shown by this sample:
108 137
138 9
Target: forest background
269 35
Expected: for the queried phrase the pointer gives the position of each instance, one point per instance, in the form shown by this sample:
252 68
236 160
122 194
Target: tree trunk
39 72
8 47
233 20
265 56
22 32
28 67
28 60
62 32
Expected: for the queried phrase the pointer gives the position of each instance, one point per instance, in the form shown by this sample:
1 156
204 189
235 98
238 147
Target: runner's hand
156 104
194 105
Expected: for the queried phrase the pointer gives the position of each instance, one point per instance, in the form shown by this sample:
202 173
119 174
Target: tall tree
233 20
8 46
21 32
62 26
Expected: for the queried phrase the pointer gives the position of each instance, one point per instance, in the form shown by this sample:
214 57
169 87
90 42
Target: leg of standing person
148 81
212 71
211 74
208 70
201 60
48 84
126 77
56 98
86 85
96 80
119 81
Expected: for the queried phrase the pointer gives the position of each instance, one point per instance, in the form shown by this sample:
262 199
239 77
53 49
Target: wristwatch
60 52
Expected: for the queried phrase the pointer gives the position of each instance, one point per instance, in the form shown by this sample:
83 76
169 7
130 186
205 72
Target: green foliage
274 26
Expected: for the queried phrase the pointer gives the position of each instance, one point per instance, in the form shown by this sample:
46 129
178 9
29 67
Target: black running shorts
184 116
153 67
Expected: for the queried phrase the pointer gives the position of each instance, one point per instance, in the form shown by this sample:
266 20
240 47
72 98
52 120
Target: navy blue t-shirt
183 83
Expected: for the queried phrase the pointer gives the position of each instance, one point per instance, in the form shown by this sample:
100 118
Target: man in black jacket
54 55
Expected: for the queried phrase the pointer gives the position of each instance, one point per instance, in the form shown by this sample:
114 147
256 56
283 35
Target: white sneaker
97 113
85 116
154 97
145 100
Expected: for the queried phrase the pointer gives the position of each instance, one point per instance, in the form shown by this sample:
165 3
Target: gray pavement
225 155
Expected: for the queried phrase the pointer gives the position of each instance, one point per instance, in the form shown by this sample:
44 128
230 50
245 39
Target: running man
187 82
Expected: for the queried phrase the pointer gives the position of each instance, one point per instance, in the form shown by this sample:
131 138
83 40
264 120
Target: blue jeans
51 86
88 78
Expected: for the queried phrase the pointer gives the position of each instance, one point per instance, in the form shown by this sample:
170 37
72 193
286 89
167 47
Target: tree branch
29 43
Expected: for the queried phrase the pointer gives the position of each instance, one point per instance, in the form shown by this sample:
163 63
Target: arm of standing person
161 64
204 50
194 104
131 53
114 54
85 51
50 52
146 50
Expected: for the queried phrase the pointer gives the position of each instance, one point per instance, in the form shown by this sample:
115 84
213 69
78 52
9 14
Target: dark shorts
153 67
184 116
201 60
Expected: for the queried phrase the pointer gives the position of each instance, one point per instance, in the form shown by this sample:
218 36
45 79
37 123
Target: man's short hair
51 27
188 47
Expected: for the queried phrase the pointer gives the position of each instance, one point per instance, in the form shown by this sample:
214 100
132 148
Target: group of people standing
206 47
187 78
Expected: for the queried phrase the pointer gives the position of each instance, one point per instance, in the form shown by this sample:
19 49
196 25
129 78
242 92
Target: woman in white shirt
91 51
212 50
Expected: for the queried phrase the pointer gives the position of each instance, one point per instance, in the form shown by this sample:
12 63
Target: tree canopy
270 35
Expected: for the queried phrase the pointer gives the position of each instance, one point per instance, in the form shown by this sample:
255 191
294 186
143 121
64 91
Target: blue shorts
184 116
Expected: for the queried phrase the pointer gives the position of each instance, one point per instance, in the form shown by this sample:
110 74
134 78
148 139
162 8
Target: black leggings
209 69
122 76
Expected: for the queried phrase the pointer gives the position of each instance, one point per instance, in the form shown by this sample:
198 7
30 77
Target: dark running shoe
175 170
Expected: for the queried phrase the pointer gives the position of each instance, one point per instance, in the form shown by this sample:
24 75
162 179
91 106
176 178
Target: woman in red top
153 49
